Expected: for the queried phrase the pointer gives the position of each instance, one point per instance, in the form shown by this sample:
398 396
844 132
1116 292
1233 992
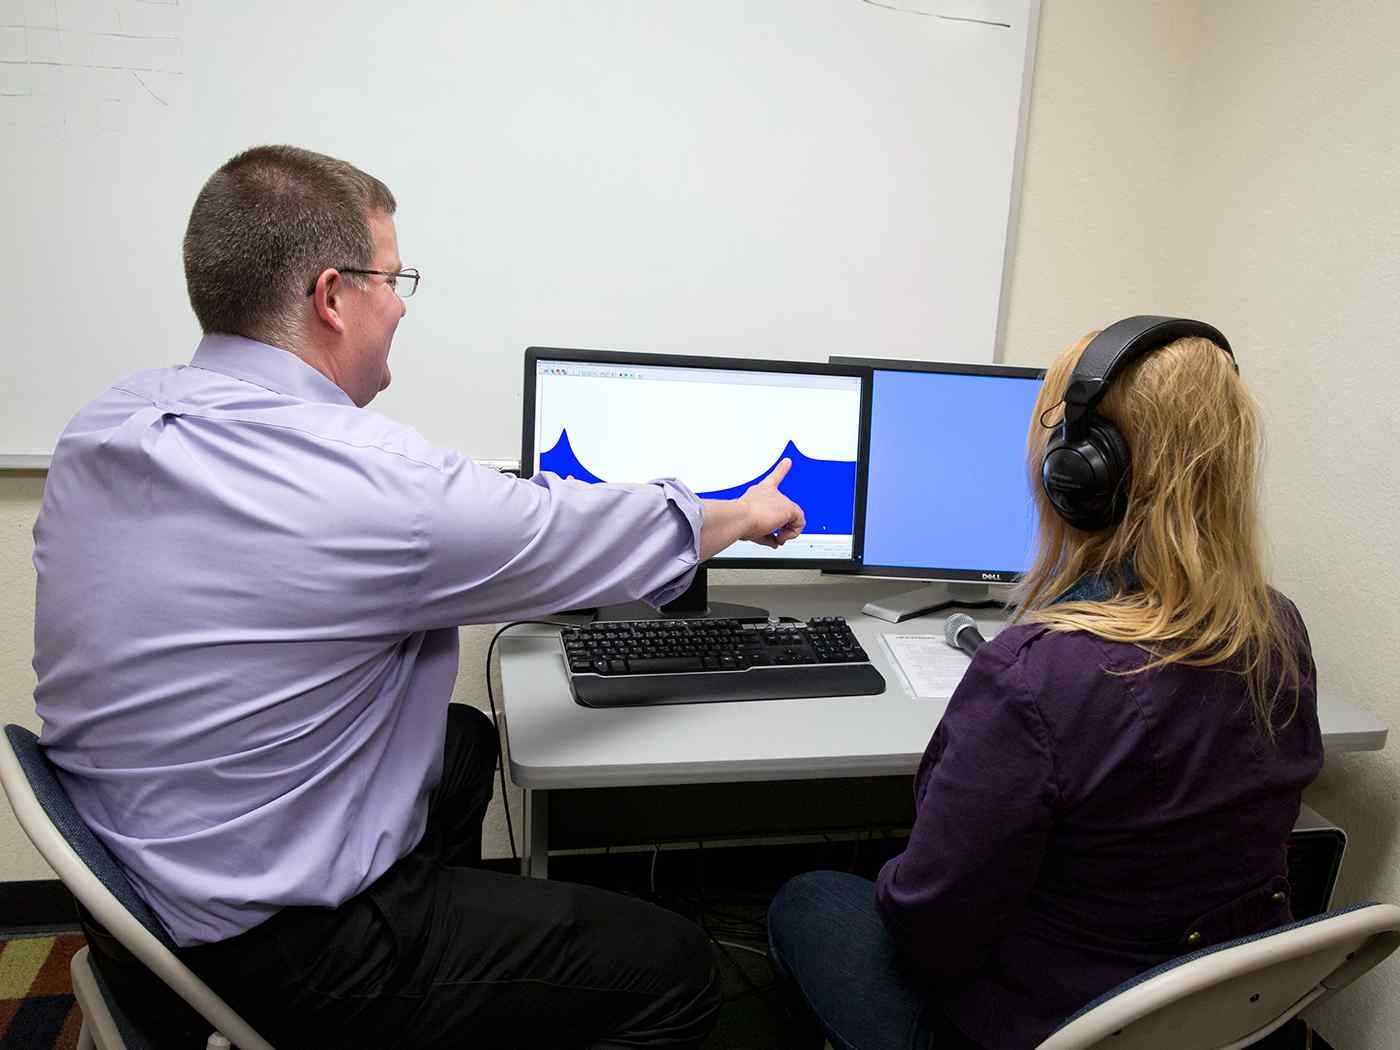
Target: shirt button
1193 938
1279 897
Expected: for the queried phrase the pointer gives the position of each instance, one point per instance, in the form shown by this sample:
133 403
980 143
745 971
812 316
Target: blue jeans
827 939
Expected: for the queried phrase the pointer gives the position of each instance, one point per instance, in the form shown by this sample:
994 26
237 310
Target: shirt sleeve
985 801
495 548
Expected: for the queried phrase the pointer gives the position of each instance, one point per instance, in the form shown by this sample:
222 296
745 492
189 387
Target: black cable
736 918
953 603
500 746
719 924
754 987
753 931
700 876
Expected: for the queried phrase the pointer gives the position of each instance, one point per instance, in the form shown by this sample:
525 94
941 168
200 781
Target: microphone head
955 623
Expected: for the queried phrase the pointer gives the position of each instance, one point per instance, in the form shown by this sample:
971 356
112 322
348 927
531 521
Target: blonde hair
1183 571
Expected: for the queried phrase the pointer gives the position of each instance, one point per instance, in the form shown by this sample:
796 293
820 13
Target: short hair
264 225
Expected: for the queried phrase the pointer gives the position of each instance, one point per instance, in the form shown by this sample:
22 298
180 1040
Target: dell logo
995 577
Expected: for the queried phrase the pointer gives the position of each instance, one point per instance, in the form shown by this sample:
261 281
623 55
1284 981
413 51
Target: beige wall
1253 184
1098 184
1232 160
1293 247
19 503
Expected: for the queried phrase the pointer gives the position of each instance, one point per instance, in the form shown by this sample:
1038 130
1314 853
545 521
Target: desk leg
535 863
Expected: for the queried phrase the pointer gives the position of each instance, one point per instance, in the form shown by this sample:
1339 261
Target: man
246 640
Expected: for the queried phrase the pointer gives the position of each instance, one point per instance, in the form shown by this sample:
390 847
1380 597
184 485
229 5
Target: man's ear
325 298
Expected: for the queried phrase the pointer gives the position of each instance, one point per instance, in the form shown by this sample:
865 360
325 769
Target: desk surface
554 743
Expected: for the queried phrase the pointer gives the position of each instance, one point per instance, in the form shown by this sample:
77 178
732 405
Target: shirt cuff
684 502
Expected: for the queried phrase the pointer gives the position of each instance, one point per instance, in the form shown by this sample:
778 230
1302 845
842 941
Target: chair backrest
94 877
1230 995
57 806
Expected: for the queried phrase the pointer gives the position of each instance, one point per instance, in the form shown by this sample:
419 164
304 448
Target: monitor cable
954 603
500 744
961 604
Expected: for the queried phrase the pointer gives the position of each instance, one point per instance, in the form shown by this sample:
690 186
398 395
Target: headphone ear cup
1118 462
1067 477
1084 478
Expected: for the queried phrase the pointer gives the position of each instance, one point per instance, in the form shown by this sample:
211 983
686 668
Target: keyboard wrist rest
758 683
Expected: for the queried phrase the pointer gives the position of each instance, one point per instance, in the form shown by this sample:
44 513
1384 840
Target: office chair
1228 996
93 876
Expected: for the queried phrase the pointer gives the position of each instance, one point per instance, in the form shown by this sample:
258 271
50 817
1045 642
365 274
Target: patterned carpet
37 1009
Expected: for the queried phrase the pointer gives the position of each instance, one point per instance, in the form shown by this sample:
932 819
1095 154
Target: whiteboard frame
1013 214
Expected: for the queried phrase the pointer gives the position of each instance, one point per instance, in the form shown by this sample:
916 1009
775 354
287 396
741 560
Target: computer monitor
718 424
948 495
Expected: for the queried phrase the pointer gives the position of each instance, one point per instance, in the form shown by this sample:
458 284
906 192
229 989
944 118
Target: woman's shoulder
1034 642
1071 675
1288 614
1030 638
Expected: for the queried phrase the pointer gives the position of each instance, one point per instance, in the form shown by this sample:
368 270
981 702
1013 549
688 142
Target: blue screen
948 484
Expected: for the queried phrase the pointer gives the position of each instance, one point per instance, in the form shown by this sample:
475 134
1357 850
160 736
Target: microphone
960 631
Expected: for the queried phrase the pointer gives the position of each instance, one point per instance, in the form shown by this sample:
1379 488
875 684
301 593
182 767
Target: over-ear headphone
1087 464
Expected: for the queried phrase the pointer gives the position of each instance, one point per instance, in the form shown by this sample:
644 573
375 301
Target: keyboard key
666 664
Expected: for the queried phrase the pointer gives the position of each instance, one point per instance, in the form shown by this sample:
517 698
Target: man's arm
492 548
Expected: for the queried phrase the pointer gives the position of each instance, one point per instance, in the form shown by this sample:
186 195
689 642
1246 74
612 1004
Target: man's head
276 220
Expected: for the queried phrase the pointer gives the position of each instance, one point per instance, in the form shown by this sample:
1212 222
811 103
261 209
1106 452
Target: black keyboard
634 663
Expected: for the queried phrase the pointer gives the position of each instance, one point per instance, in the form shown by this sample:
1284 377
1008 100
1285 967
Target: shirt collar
1101 586
266 366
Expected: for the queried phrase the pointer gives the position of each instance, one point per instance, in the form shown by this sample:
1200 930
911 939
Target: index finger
777 474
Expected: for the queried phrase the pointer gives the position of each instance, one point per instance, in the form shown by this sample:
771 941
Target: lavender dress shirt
1075 826
246 625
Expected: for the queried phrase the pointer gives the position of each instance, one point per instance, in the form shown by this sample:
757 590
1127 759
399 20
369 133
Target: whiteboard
745 178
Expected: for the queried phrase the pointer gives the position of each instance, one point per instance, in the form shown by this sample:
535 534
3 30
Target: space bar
664 664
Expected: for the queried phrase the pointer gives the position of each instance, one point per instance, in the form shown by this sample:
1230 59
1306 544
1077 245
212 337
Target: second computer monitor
717 424
948 495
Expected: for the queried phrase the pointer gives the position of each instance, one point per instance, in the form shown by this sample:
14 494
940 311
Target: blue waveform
825 489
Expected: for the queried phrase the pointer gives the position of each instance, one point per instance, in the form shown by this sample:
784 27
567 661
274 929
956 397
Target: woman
1116 775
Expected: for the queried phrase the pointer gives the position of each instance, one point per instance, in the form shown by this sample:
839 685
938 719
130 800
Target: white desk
584 757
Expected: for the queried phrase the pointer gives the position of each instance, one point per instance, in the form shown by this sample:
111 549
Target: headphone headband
1114 347
1087 465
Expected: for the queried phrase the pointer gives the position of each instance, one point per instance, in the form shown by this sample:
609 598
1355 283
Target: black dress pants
438 953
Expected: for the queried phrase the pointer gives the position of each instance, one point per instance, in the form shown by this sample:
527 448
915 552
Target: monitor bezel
534 354
905 572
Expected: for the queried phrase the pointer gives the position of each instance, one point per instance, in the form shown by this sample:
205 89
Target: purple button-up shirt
1076 825
246 624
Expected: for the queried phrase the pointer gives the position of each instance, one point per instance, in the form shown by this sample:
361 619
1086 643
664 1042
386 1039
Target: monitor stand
929 598
692 604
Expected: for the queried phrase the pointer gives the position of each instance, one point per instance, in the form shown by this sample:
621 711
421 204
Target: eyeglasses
405 282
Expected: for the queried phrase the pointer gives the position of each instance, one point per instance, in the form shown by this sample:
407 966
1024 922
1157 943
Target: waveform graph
824 488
